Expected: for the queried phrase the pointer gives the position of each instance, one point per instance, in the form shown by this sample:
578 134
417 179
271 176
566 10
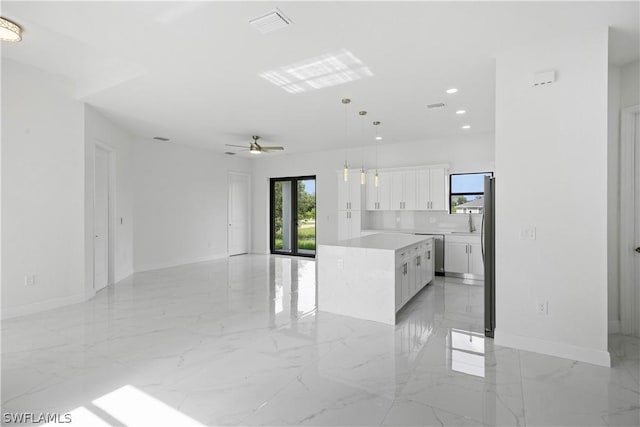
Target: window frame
451 193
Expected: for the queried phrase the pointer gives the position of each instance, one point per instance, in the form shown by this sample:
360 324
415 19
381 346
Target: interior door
636 191
238 213
101 219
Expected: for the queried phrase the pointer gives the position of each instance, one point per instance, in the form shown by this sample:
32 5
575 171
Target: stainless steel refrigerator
489 255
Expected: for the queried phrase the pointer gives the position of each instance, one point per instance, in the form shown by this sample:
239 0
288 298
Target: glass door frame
295 251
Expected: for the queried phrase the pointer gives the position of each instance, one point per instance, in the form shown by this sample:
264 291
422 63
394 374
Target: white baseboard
552 348
614 326
176 263
123 275
36 307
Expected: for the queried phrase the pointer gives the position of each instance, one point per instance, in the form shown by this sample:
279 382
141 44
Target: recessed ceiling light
466 127
461 111
331 69
452 90
10 31
379 138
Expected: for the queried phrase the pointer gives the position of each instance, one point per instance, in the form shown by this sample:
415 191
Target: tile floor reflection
240 342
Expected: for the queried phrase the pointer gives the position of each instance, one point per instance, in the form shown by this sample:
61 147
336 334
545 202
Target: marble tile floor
239 342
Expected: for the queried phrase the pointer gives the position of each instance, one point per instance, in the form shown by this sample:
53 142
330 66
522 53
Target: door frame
629 292
294 209
248 218
111 210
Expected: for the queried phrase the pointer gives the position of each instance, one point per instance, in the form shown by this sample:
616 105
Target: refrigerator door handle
482 236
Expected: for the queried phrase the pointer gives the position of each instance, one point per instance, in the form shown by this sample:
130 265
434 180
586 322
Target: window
466 192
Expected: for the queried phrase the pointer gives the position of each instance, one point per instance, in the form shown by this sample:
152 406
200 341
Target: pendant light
363 173
375 177
345 170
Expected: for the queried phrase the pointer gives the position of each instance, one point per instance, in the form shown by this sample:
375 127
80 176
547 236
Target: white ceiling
190 71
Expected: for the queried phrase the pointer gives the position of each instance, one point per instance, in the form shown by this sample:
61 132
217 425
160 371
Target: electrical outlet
340 263
542 307
432 220
30 280
528 233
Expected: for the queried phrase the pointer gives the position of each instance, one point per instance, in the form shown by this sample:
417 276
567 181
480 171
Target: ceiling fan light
10 31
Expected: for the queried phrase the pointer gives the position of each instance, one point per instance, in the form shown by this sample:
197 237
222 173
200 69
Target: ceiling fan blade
272 148
232 145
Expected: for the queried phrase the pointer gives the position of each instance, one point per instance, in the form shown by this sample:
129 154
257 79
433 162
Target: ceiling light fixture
10 31
363 173
345 170
466 127
461 111
378 138
375 177
452 90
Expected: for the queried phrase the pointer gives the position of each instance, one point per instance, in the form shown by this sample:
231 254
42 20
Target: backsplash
419 220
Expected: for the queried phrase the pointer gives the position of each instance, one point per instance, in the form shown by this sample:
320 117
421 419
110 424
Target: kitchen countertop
386 241
422 231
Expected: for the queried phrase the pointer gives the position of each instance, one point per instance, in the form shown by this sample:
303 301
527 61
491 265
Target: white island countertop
385 241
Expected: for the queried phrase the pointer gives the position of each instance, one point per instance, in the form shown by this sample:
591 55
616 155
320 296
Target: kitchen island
373 277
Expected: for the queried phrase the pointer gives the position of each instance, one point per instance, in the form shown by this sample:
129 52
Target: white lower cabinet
349 224
414 270
463 255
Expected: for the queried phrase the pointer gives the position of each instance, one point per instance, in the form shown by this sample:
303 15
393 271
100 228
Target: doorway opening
102 208
629 258
293 216
238 211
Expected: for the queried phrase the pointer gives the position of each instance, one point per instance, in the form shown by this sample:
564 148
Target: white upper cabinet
350 191
432 189
378 198
403 190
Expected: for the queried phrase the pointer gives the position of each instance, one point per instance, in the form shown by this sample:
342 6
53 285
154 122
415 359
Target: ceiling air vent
272 21
437 106
229 153
161 138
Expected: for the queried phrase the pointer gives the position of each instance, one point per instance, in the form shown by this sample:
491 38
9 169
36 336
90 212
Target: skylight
330 69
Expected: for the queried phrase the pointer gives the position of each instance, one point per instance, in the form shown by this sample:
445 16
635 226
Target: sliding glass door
293 216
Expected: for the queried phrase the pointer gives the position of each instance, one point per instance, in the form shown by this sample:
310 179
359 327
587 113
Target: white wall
466 153
42 191
180 203
551 155
99 130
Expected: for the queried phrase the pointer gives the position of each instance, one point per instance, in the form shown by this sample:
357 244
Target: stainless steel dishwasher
438 243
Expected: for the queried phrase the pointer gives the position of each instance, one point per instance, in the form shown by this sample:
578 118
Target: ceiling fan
256 148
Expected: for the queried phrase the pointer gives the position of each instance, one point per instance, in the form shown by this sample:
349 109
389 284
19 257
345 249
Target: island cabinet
414 269
373 277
